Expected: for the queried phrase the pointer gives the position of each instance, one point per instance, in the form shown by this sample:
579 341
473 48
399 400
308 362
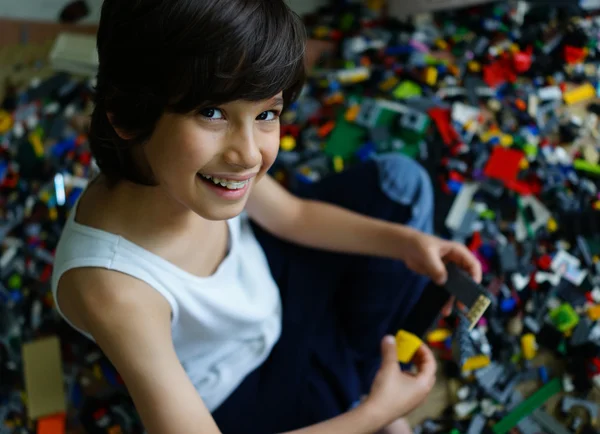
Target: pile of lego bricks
497 103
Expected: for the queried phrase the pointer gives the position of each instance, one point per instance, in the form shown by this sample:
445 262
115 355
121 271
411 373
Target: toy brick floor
443 393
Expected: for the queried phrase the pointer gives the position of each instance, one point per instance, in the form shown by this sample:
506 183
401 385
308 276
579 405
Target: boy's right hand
395 393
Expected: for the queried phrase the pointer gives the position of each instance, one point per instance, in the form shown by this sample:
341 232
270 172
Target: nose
243 150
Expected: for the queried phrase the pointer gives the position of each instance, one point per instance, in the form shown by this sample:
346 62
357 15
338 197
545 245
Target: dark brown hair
180 56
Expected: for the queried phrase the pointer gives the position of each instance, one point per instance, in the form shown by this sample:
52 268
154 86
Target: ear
125 135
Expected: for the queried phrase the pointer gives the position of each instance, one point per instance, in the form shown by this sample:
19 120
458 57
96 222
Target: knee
405 181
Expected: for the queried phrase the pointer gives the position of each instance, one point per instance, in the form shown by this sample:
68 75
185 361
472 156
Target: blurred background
497 100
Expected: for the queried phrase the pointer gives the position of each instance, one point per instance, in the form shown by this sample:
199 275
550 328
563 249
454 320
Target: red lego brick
574 54
504 164
442 117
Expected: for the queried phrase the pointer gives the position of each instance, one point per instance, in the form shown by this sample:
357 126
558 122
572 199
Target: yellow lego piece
439 335
596 259
552 225
528 346
36 144
579 94
5 121
53 214
288 143
594 312
514 48
407 345
441 44
338 163
431 76
352 112
524 164
474 66
321 32
389 84
506 140
476 362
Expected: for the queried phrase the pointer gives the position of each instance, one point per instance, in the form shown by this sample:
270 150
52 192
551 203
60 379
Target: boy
217 323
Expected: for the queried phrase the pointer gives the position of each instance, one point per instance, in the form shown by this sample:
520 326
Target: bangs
251 52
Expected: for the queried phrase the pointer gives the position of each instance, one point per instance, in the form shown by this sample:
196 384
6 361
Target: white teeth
229 184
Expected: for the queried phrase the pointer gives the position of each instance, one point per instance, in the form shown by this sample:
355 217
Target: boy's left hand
426 255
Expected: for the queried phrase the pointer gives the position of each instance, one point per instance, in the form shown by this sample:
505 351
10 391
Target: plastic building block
592 408
407 344
565 318
52 424
345 139
504 165
579 94
439 335
475 362
288 143
407 89
568 266
461 205
43 378
528 346
548 423
470 294
594 312
528 406
6 122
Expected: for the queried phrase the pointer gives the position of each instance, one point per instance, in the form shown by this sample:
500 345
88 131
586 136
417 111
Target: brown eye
270 115
211 113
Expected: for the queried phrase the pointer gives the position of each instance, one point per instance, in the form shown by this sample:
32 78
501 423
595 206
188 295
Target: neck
155 212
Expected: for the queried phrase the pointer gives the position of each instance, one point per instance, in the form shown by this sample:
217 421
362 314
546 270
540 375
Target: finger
437 270
447 310
463 257
389 352
425 361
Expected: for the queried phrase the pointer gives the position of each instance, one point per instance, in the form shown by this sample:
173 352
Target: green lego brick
587 167
528 406
564 317
386 118
407 89
345 139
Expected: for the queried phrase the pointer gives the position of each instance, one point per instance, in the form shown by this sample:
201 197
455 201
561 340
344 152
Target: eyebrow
277 101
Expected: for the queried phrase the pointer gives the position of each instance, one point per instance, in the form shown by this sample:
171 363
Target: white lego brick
596 295
568 267
461 205
543 277
567 382
519 281
463 393
463 409
463 113
549 93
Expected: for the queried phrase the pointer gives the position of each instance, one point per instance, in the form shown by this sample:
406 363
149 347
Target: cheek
270 150
182 153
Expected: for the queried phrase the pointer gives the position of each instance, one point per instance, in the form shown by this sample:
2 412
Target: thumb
437 270
389 352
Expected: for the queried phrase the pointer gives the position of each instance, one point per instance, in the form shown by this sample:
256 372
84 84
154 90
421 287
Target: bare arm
322 225
131 323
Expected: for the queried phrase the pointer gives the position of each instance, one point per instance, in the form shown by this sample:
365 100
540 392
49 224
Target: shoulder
93 298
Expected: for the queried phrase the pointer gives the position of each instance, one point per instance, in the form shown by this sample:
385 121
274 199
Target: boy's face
209 162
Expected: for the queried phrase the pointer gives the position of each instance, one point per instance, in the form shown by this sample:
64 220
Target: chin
219 213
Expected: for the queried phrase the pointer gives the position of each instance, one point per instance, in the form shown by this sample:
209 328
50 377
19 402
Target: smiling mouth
224 183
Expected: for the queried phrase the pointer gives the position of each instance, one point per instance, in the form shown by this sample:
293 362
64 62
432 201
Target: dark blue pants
336 307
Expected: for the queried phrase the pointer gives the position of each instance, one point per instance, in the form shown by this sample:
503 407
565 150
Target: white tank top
223 326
